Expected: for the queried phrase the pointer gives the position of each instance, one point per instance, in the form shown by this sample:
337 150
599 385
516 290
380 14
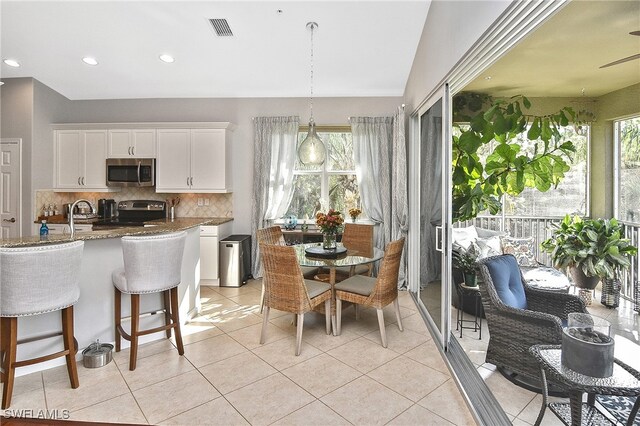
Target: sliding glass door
430 205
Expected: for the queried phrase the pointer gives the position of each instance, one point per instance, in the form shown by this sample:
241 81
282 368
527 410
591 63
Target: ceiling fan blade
620 61
635 33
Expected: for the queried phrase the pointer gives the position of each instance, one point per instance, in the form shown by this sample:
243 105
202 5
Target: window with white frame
627 134
332 185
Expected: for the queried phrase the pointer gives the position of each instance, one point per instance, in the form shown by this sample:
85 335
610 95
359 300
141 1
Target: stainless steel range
134 213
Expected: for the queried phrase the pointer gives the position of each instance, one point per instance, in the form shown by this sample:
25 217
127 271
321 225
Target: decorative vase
581 280
587 345
329 240
353 219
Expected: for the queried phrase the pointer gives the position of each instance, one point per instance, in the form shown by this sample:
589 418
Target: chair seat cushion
357 284
119 280
507 281
309 272
346 270
316 288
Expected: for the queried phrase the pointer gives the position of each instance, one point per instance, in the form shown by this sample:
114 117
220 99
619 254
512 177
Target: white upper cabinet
194 160
132 143
79 160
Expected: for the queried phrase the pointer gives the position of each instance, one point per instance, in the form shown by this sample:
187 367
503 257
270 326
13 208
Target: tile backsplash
220 205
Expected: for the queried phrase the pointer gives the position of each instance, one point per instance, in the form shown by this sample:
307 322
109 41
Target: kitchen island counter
159 226
94 311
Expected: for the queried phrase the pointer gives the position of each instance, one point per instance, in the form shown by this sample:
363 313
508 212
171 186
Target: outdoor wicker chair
273 235
519 316
287 290
358 239
376 292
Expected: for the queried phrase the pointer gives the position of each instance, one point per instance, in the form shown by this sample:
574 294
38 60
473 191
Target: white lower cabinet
210 237
63 229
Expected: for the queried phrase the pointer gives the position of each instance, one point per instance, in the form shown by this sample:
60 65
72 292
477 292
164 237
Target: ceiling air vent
221 27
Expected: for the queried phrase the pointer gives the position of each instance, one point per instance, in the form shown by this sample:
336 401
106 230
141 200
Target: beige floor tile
235 320
27 404
148 349
352 354
366 402
314 414
231 291
446 401
312 321
96 385
212 350
530 413
154 369
249 337
417 415
321 374
429 355
217 308
209 294
218 412
233 373
416 323
408 377
518 422
319 338
365 324
512 399
26 383
398 341
60 374
167 399
122 409
281 354
195 332
277 396
250 299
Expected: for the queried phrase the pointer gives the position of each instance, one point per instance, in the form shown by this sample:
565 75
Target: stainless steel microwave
131 172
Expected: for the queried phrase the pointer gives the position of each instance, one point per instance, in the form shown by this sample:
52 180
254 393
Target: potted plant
592 249
466 261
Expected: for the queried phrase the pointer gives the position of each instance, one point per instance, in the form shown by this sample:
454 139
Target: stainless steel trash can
235 260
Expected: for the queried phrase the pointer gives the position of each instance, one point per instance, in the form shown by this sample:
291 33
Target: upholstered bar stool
152 264
33 281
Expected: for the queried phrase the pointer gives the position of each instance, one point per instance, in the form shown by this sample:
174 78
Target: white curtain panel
275 141
399 201
372 149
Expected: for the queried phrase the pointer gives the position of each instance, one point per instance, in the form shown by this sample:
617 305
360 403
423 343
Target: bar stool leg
175 315
167 311
10 333
67 336
118 316
135 320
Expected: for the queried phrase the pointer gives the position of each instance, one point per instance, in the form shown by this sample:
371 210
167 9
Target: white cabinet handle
129 151
78 180
82 180
191 184
187 181
133 150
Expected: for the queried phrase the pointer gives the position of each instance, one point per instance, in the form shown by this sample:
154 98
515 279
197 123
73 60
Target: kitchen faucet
73 206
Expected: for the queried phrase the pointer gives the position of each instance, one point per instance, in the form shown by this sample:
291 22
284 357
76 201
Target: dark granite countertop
160 226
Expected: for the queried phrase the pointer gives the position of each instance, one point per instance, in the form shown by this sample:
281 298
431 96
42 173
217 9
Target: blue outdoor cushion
507 281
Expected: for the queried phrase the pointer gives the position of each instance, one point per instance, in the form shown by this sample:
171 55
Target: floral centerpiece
329 223
354 213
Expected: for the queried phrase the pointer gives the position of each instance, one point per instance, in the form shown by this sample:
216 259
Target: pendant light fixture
311 151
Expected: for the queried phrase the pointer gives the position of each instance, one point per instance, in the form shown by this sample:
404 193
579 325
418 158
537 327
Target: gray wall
451 29
16 121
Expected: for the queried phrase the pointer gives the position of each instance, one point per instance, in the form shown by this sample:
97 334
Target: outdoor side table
472 293
625 381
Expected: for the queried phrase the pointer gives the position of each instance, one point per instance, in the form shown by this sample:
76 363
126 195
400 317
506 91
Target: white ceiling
564 55
361 48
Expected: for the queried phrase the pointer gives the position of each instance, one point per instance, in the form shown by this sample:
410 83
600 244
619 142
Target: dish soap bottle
44 230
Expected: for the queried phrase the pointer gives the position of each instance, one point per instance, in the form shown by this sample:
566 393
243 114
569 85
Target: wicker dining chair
375 292
358 239
273 235
519 315
287 290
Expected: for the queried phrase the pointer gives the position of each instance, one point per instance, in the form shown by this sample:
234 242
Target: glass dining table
350 259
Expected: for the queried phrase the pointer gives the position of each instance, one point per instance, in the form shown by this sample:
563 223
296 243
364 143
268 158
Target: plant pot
581 280
470 279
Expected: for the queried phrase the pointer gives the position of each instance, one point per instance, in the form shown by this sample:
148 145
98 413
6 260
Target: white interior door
10 182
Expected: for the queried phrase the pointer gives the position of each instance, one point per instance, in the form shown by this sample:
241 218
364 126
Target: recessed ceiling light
89 60
12 63
166 58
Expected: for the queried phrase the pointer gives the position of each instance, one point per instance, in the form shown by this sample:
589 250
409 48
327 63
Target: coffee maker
106 208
